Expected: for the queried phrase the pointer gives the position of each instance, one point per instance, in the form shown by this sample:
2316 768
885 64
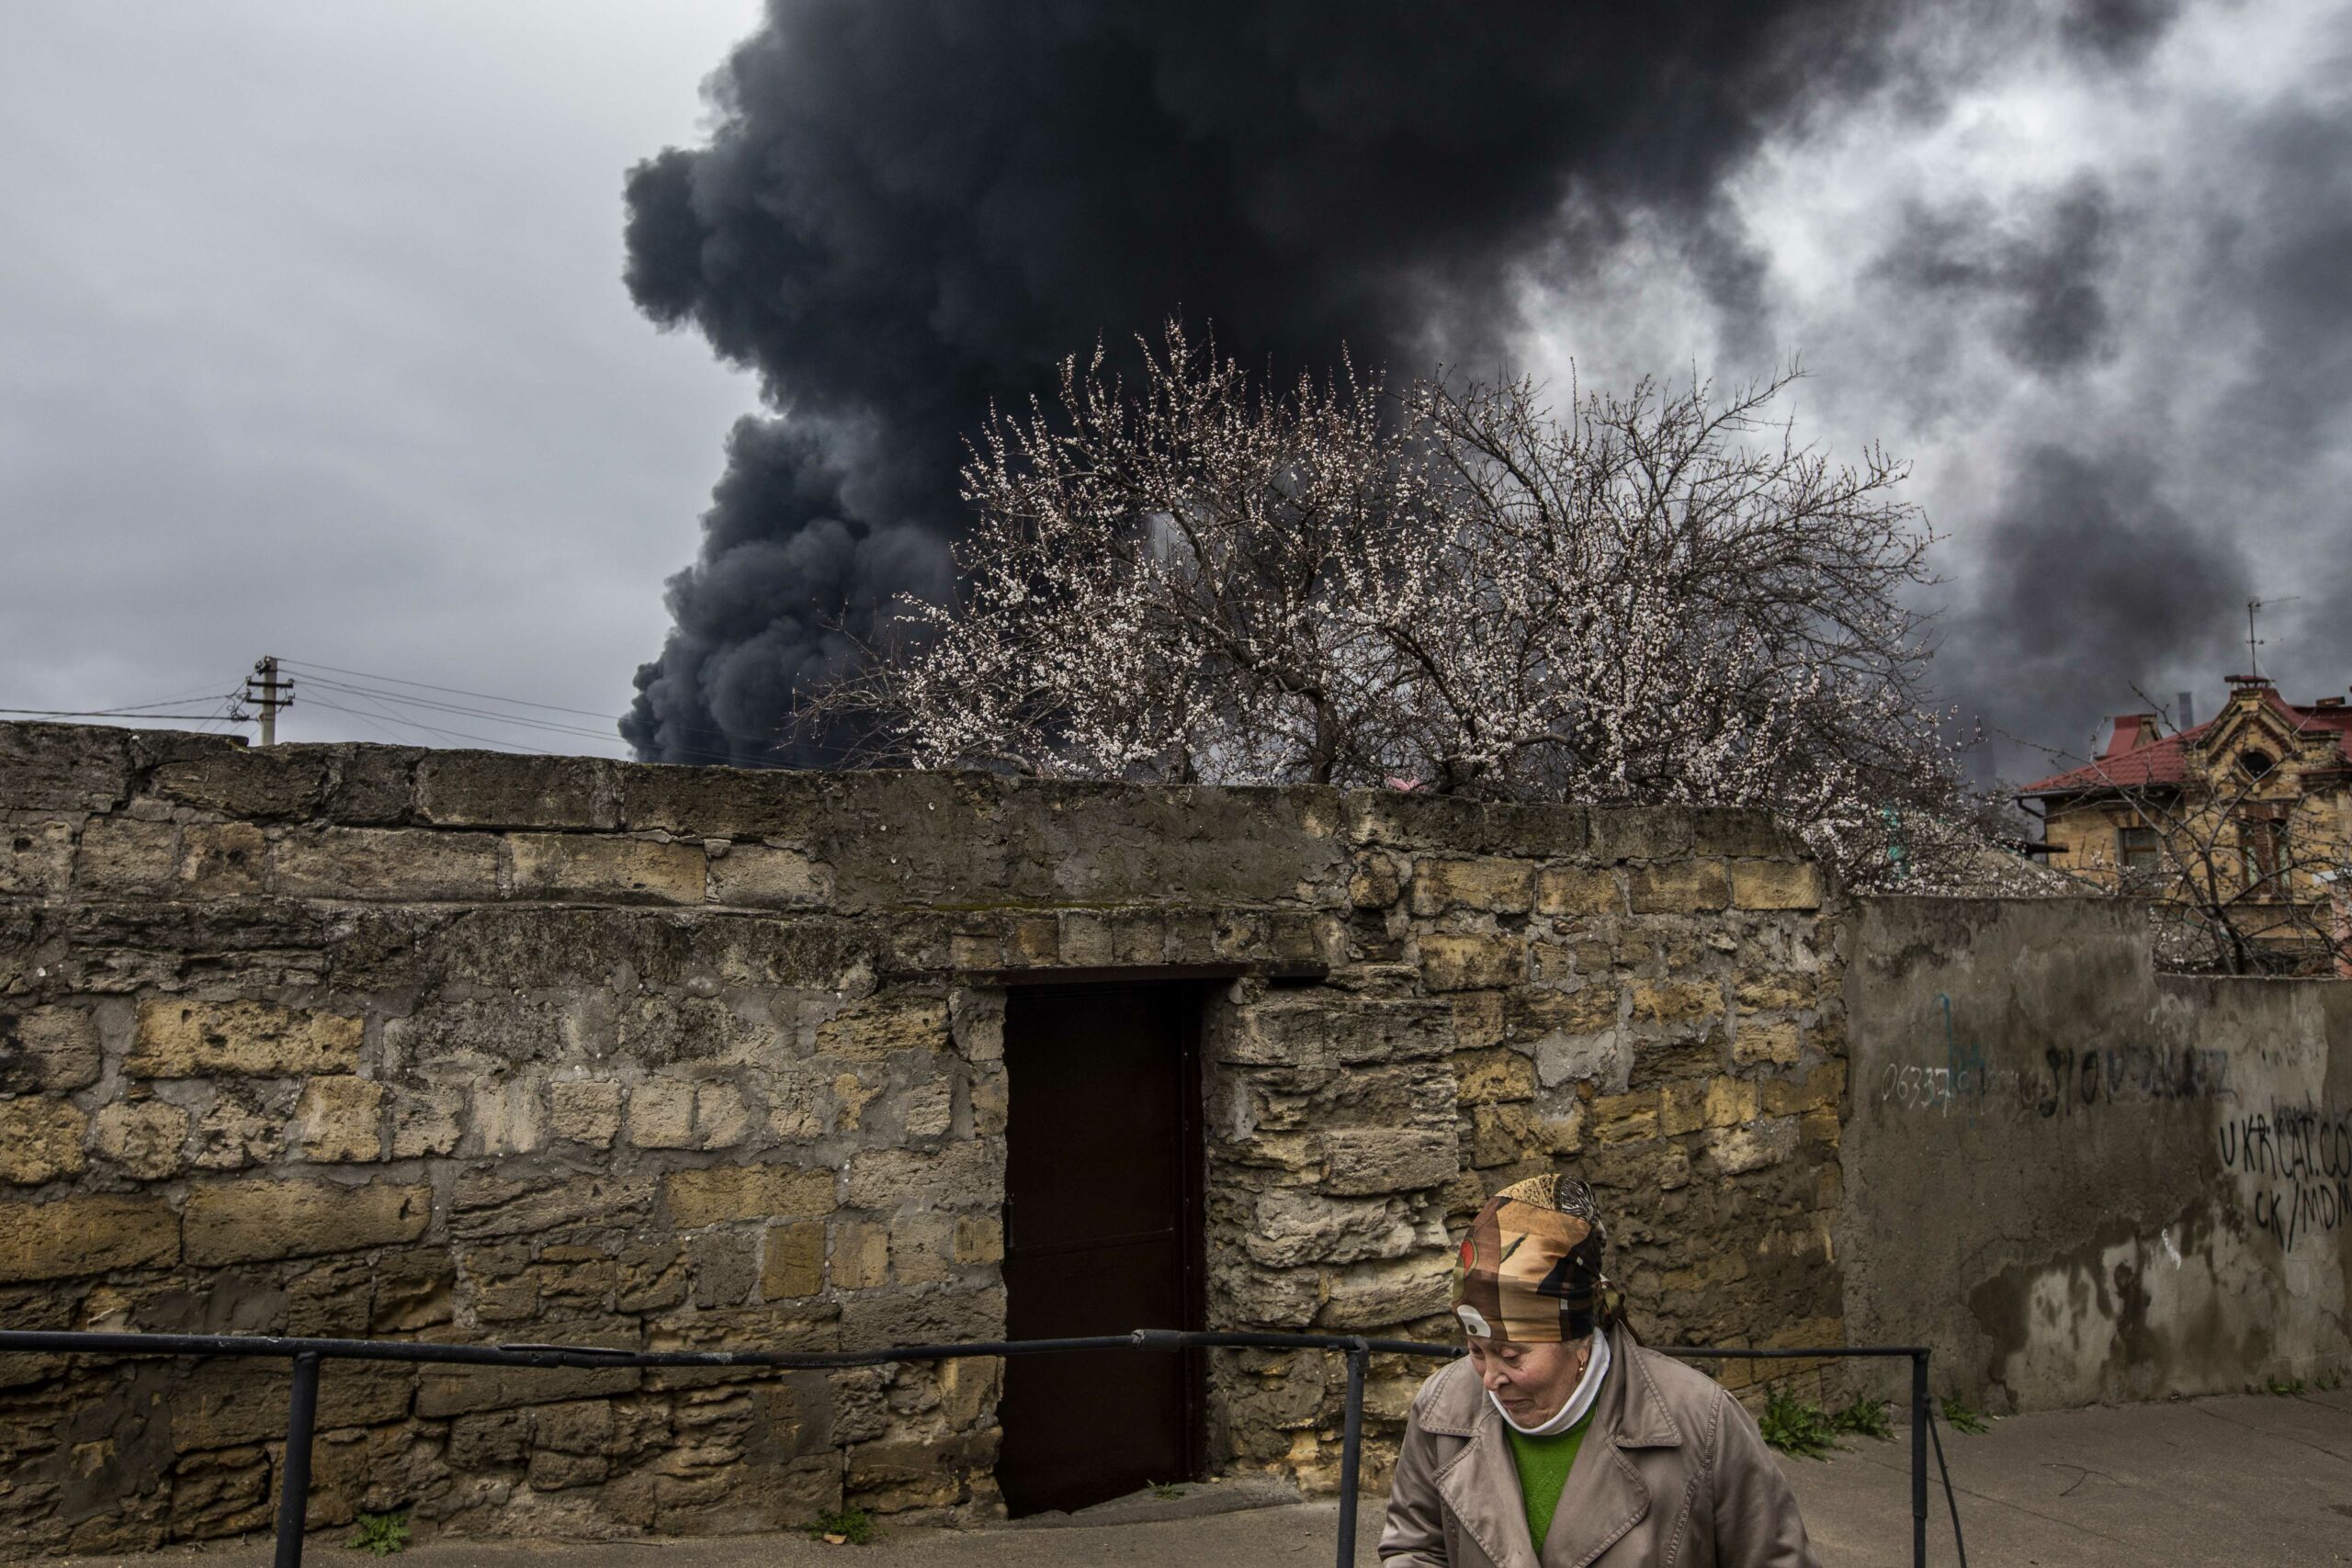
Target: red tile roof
2164 762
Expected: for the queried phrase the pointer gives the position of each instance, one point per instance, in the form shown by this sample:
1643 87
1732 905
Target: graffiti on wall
2297 1161
2066 1081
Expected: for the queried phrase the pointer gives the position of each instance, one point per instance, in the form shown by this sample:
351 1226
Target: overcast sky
314 343
313 339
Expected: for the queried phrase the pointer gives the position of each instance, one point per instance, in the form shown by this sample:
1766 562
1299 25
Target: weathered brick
1491 1077
794 1264
1778 1042
968 1175
75 1235
179 1037
884 1023
142 1138
1775 991
245 1222
473 789
980 1238
405 864
340 1118
1387 1159
1713 1103
1674 887
1531 1014
1579 890
41 1140
1484 883
586 1111
245 781
507 1116
1676 1002
36 854
759 876
1775 885
222 859
582 865
1640 832
725 1192
1467 962
923 1247
860 1254
123 854
514 1199
1624 1118
62 767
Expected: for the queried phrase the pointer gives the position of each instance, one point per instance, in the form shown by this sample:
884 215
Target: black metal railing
309 1355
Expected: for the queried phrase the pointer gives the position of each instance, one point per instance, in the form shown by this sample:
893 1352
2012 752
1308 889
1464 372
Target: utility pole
274 694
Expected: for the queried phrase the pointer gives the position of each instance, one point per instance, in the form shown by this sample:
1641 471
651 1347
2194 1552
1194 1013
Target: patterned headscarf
1530 1270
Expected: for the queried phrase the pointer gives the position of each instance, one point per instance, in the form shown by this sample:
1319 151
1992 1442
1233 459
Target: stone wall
358 1039
2082 1180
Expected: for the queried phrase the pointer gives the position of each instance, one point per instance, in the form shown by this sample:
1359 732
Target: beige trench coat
1672 1474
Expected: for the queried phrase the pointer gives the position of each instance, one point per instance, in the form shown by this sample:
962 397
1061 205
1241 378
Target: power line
104 712
494 697
434 729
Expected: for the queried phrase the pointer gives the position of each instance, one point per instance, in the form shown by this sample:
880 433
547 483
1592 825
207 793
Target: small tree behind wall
1655 597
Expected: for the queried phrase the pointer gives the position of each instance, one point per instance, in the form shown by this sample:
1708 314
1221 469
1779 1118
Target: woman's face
1531 1381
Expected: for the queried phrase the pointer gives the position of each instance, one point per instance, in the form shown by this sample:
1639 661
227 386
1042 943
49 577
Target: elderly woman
1558 1442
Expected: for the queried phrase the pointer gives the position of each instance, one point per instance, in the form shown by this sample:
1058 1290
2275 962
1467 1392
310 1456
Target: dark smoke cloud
2094 594
2040 275
910 208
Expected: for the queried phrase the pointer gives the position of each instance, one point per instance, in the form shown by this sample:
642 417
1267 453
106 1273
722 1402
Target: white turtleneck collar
1579 1402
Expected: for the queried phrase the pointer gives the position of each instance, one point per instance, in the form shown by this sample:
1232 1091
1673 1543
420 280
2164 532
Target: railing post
294 1475
1352 1449
1920 1416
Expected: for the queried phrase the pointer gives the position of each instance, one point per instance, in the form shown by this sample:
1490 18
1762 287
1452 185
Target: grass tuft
847 1527
1864 1418
1794 1426
1962 1417
382 1534
1166 1491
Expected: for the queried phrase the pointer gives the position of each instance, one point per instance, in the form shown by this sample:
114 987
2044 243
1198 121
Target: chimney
2186 704
2132 730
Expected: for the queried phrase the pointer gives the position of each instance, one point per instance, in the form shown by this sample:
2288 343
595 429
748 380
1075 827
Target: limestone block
1640 832
253 782
1579 890
990 1105
340 1116
1604 1060
1715 1102
1676 1002
500 1200
235 1131
1493 1075
122 855
142 1138
725 1192
1756 1042
74 1236
1267 1298
966 1175
472 789
585 1111
1504 1135
1485 882
980 1238
1294 1227
1470 962
46 1048
180 1037
722 1266
404 863
924 1315
721 1118
41 1140
413 1291
427 1122
245 1222
1477 1019
222 859
927 1109
1678 888
923 1247
1770 990
1530 1013
1737 1150
1820 1090
465 1389
1624 1118
1376 1295
976 1022
794 1262
1374 880
759 876
1322 1026
661 1114
860 1254
884 1024
1775 885
1365 1160
582 865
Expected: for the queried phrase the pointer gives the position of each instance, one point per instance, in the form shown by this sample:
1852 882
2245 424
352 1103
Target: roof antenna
2253 659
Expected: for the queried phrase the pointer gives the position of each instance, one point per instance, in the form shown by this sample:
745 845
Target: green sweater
1544 1465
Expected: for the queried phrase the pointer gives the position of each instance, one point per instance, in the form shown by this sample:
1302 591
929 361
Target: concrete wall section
2080 1180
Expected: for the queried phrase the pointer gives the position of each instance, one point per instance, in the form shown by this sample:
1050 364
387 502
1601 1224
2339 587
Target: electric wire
436 729
297 664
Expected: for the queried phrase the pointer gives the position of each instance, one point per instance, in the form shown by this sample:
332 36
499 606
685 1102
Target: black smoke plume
909 208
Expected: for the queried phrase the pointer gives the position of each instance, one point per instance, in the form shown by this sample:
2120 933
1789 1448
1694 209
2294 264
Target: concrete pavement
2249 1481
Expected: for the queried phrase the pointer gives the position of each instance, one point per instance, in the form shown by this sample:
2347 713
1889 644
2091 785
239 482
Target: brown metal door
1102 1233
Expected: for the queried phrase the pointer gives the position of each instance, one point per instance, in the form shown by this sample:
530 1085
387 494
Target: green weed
2284 1385
1958 1415
382 1534
1796 1427
1166 1491
1864 1418
852 1527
